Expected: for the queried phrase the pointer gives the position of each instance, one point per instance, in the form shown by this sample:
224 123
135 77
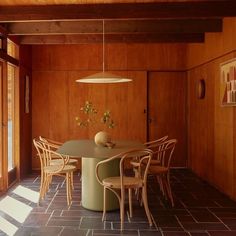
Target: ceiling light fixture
103 77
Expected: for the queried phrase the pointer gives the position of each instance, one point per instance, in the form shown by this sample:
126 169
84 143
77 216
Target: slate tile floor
200 210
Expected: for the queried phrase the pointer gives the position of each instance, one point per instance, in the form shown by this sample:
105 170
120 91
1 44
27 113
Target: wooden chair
48 170
119 184
164 151
155 159
54 145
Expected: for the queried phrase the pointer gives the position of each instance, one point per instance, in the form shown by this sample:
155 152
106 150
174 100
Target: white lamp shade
103 78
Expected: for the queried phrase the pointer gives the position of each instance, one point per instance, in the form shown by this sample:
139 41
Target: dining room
178 62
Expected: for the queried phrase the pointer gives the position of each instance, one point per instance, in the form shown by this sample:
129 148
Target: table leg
92 191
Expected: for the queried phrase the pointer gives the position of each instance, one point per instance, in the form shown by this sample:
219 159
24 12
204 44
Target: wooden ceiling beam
116 26
113 38
161 10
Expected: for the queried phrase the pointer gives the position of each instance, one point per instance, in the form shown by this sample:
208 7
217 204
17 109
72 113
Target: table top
88 148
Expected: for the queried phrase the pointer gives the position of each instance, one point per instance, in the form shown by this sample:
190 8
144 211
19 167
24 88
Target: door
167 110
12 121
9 130
3 169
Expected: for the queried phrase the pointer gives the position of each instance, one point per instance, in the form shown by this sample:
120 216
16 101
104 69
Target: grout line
181 225
154 222
218 218
63 227
87 234
36 179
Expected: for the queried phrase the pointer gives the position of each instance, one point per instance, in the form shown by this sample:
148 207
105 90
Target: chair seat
152 162
114 182
158 169
59 162
53 168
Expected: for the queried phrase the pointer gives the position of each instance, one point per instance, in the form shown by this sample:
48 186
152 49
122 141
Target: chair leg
46 184
104 203
122 209
145 203
159 180
68 186
41 190
130 203
72 180
169 189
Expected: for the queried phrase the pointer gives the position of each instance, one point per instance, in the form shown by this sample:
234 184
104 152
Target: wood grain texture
57 99
50 2
167 10
167 111
211 127
216 45
113 27
113 38
88 57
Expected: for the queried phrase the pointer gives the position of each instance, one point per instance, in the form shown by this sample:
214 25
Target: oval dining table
91 154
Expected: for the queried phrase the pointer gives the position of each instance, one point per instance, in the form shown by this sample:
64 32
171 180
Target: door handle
151 120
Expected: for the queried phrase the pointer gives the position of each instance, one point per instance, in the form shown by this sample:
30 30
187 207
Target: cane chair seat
53 168
129 182
158 169
71 161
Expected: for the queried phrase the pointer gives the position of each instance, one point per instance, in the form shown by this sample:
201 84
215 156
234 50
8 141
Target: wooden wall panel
216 45
167 109
224 134
211 127
25 118
88 57
211 130
57 100
201 125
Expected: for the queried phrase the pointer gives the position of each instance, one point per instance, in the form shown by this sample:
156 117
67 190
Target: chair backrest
156 146
145 157
156 142
45 154
164 151
53 144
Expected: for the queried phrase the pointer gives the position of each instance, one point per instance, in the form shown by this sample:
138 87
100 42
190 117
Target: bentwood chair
155 159
48 170
54 145
119 184
164 151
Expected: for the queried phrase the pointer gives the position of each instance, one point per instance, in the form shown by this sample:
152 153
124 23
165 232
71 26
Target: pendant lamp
103 77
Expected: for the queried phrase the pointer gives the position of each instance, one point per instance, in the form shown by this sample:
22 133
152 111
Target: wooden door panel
167 110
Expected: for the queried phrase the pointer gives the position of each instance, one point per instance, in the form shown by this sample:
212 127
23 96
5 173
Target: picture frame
228 83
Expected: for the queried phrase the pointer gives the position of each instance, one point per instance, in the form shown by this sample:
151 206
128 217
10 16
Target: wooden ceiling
81 21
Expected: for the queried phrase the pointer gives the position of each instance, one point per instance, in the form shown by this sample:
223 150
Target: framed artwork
228 83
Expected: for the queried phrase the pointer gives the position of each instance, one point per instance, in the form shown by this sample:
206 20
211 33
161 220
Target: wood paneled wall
57 98
25 118
211 127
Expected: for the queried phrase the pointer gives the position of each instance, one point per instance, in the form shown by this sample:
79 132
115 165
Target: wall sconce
201 89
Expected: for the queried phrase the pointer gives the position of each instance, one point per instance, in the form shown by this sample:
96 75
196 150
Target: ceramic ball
101 138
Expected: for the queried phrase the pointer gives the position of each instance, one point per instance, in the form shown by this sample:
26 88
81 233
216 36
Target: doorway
9 129
167 111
